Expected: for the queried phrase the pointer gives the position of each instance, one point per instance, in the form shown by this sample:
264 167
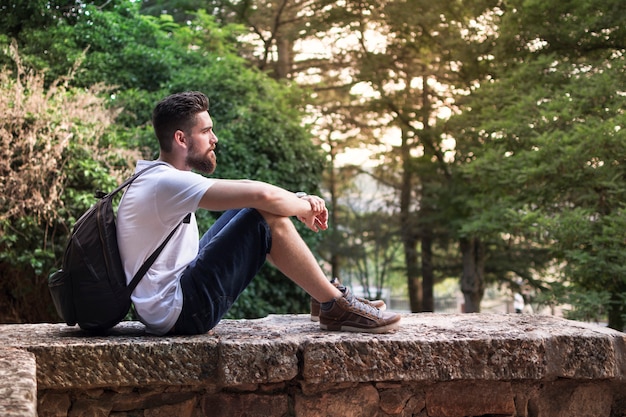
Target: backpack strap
134 177
148 263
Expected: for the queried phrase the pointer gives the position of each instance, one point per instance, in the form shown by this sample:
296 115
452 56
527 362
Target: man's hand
318 218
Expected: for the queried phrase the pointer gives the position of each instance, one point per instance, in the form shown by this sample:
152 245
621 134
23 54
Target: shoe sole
381 329
316 318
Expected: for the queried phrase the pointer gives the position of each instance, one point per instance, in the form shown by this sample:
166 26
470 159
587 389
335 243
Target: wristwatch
301 194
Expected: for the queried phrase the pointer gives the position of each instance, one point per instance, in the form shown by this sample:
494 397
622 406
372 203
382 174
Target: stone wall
434 366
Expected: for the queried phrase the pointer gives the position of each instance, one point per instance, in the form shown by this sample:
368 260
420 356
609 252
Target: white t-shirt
150 209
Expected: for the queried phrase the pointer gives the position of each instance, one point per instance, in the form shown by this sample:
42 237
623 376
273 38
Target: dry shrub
37 129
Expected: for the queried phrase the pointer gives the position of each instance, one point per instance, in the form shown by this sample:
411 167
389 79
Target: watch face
300 194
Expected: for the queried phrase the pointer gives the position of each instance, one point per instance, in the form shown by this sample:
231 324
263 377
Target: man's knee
277 224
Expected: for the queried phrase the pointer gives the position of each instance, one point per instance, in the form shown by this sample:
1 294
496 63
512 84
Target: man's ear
180 139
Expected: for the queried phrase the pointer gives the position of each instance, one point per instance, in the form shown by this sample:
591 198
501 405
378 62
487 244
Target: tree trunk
428 276
412 270
617 313
472 278
284 49
408 228
335 259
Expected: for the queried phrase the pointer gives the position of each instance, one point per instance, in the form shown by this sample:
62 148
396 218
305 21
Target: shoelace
358 305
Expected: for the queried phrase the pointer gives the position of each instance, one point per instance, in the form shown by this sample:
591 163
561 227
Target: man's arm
233 194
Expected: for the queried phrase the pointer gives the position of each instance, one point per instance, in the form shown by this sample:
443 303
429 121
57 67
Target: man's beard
204 163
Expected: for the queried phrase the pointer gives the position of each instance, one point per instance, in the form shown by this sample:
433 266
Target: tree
549 167
274 26
413 56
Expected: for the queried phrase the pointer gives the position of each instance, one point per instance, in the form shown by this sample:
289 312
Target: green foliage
120 48
579 304
594 250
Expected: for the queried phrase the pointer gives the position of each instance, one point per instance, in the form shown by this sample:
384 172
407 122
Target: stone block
70 358
402 401
244 405
440 347
470 398
183 409
565 398
362 401
53 404
257 362
18 383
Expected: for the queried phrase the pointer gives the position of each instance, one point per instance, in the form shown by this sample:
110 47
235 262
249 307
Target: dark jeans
231 253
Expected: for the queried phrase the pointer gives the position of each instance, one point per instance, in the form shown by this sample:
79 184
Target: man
194 282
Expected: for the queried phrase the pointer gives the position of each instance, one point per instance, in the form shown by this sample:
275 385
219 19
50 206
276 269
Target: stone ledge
428 348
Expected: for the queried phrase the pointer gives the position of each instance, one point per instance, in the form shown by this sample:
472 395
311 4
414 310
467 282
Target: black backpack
90 289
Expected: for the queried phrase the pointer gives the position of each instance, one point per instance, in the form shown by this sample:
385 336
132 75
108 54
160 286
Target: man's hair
177 112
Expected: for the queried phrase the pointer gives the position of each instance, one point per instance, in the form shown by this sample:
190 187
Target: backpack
90 289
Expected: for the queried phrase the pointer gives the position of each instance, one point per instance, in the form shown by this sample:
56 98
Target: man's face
201 147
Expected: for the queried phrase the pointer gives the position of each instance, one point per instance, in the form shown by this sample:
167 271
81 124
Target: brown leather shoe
315 305
348 314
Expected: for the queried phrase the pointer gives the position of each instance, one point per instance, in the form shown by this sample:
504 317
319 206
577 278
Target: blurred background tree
545 157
